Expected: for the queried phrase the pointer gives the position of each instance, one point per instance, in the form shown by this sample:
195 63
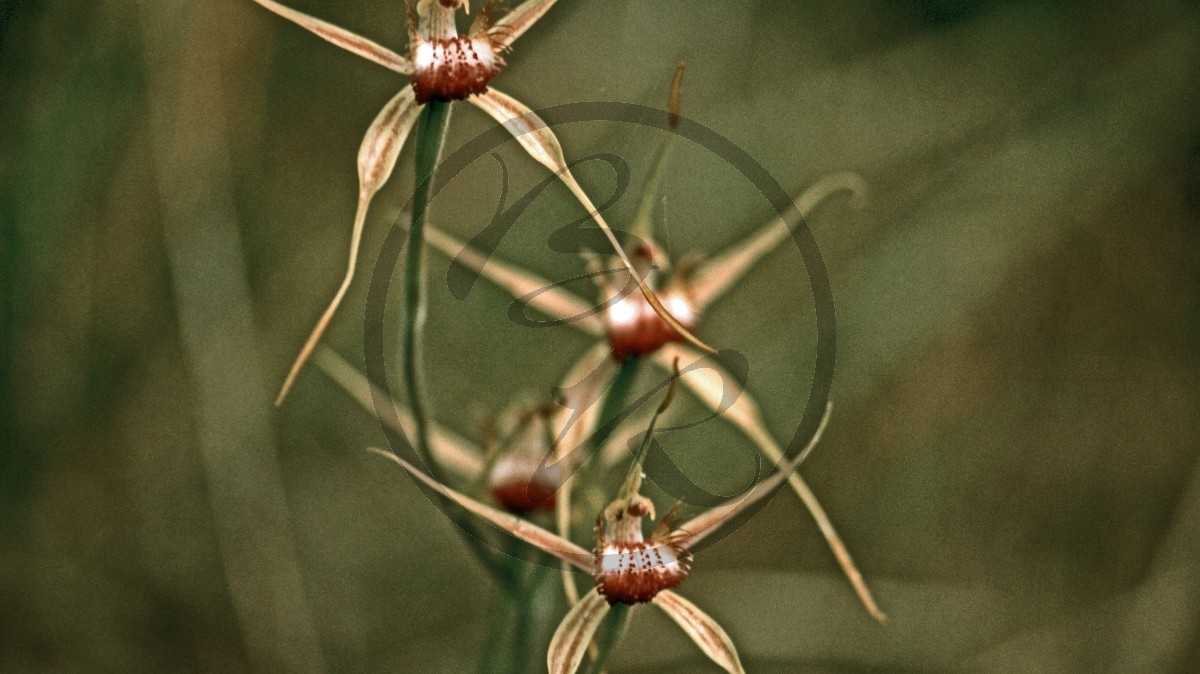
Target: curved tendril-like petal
718 274
343 38
702 629
513 24
530 533
706 384
540 142
558 303
574 634
562 522
701 526
572 426
586 385
457 454
376 158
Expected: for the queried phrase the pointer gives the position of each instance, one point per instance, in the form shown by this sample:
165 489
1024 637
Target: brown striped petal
376 158
574 633
530 533
540 143
702 629
716 276
510 26
343 38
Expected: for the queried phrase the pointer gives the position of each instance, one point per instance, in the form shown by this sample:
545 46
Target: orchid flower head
445 66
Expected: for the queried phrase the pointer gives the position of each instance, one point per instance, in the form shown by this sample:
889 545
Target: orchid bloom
443 66
505 464
627 326
626 567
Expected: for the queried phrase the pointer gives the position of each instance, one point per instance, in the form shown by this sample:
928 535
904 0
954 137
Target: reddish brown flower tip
634 328
519 487
523 497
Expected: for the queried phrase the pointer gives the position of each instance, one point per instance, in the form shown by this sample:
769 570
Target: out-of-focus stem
614 404
609 635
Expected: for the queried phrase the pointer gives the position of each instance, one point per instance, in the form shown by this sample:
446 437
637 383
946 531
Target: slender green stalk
610 633
643 222
615 402
430 137
496 651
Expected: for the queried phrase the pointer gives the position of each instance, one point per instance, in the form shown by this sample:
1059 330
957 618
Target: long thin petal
574 634
562 522
540 142
376 158
530 533
744 413
702 629
558 303
510 26
586 384
703 525
718 274
454 452
343 38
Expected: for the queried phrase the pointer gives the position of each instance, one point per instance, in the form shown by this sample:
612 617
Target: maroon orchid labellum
514 478
444 66
627 567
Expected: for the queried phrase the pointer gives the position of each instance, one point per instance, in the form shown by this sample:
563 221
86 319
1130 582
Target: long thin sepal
454 452
643 221
703 525
343 38
706 384
513 24
530 533
713 278
558 303
702 629
574 634
540 143
582 392
376 158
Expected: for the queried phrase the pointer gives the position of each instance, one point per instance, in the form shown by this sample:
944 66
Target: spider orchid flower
628 568
443 66
626 326
508 462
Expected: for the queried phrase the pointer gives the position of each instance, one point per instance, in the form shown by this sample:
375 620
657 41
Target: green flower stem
430 138
521 616
614 404
609 634
643 222
496 649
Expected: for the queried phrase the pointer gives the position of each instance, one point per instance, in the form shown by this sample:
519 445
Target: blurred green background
1012 457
